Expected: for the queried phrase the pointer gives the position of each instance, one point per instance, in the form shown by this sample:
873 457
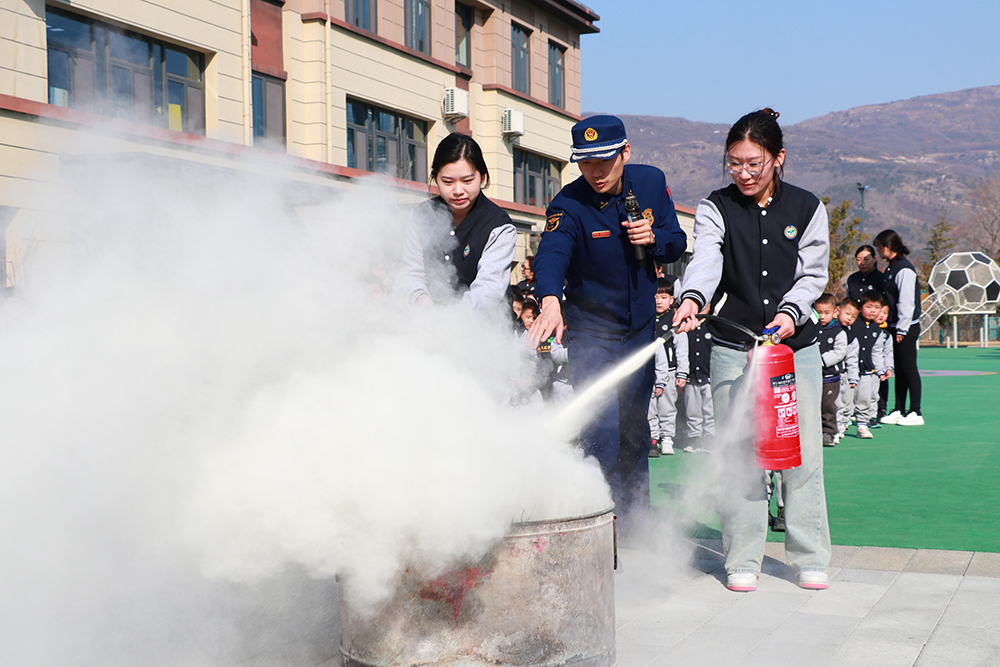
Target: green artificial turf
935 486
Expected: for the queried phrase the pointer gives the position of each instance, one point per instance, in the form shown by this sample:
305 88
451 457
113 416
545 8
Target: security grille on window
361 13
385 142
100 68
268 104
463 34
418 25
520 66
557 75
536 179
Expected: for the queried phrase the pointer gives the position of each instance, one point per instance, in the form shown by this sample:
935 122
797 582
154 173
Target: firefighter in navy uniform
590 244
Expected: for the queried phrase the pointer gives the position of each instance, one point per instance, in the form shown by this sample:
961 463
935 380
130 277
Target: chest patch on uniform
590 134
465 253
648 215
553 222
601 235
791 232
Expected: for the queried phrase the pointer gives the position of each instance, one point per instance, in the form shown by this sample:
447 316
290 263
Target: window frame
364 20
520 58
407 136
418 25
557 75
269 87
547 178
460 29
98 88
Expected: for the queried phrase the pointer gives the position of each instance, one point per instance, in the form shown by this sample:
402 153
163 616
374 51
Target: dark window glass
463 34
418 25
385 142
520 59
130 49
69 31
536 179
557 75
268 104
361 13
183 63
59 78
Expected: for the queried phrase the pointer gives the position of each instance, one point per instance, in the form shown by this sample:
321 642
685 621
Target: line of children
862 370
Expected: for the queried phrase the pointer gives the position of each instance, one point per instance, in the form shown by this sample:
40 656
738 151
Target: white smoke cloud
207 415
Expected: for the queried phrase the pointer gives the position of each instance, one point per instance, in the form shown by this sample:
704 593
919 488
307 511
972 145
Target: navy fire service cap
598 138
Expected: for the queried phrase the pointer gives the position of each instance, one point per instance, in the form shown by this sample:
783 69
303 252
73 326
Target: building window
361 13
557 75
418 25
385 142
520 66
106 70
536 179
463 34
268 104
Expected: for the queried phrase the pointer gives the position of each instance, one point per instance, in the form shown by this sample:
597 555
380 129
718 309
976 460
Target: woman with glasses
760 259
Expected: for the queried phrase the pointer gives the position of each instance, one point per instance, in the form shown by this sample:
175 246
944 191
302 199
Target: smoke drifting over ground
210 412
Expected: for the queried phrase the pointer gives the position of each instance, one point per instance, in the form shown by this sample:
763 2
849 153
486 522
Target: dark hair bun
770 112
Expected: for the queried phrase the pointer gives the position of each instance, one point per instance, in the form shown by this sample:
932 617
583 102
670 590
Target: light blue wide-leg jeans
741 487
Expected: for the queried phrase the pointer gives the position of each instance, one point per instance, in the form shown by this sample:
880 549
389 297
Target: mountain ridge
921 157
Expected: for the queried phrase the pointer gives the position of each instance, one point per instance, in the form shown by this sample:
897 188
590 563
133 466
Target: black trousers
907 375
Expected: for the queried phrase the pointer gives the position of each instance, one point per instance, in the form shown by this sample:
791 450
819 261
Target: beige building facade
337 89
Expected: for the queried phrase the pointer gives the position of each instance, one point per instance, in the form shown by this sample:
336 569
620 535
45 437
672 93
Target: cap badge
590 134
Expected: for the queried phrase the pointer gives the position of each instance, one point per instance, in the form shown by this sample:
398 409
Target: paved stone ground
884 608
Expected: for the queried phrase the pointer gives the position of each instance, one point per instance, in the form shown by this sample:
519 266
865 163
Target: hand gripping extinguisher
775 410
634 213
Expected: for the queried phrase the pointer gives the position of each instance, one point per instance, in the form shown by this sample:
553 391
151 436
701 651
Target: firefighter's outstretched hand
786 327
548 322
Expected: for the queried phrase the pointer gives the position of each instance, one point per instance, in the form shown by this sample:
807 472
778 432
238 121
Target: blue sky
716 60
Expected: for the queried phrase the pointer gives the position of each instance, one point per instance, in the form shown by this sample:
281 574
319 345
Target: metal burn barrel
543 597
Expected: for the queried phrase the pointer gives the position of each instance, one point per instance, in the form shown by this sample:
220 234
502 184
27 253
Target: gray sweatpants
663 410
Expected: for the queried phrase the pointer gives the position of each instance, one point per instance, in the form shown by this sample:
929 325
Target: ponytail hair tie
770 112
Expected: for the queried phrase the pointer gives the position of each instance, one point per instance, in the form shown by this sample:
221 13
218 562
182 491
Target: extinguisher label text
785 405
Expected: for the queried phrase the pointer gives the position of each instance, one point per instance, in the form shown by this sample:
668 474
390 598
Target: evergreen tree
938 246
845 237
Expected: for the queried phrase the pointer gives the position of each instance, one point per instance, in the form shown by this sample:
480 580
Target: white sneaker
667 446
836 439
864 433
814 580
892 418
912 419
742 582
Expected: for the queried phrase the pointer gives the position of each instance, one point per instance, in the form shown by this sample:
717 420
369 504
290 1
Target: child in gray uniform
662 412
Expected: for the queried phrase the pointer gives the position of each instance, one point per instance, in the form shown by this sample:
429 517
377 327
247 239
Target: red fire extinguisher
776 412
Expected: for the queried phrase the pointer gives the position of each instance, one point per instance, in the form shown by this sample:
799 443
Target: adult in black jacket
902 292
458 244
867 277
761 254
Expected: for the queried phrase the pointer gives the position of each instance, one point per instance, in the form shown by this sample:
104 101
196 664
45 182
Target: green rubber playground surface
935 486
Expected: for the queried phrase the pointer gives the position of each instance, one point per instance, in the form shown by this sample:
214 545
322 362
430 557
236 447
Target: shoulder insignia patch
601 235
791 232
648 214
552 222
590 134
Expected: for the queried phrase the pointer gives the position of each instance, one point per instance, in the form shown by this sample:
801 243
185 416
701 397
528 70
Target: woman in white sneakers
902 291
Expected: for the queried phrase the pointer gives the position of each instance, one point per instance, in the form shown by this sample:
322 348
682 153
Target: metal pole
861 189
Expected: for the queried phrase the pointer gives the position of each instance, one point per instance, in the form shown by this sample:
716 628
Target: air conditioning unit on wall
513 123
455 104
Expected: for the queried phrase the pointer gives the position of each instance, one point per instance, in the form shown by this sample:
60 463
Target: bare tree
845 237
982 231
